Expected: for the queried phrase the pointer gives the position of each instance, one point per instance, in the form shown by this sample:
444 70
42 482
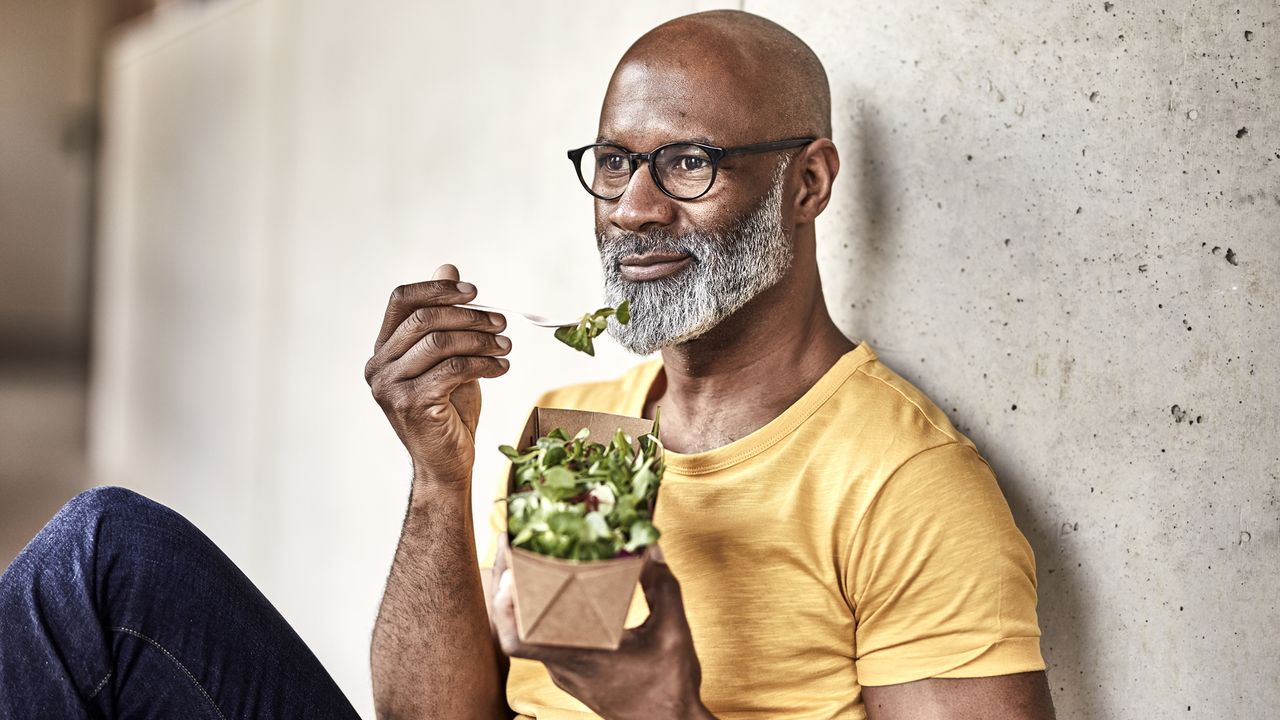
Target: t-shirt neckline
762 438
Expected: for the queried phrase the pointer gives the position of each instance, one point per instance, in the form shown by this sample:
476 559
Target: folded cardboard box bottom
569 602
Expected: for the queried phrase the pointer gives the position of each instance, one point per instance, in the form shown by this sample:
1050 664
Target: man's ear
818 164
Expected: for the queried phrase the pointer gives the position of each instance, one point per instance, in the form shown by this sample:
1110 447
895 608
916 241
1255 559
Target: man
841 550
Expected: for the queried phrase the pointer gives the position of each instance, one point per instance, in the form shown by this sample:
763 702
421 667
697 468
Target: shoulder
907 404
889 418
611 396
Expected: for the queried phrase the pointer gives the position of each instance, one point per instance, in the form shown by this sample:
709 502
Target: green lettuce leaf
580 337
581 500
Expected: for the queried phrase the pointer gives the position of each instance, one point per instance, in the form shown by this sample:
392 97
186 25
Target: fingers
661 589
446 272
436 319
438 383
504 619
407 298
438 346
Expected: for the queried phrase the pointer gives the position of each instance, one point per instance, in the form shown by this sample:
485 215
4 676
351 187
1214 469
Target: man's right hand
426 363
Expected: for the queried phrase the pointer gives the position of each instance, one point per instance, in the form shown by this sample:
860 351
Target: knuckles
381 396
669 641
407 295
379 387
424 317
455 365
432 343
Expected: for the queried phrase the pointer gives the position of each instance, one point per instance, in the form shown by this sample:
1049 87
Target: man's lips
641 268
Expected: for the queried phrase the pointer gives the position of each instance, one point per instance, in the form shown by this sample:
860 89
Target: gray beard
728 269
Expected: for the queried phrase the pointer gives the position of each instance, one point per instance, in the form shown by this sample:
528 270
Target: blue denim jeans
121 608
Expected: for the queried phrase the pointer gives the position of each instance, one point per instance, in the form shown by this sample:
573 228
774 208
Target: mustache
614 248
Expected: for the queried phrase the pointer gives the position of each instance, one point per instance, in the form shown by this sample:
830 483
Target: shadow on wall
1069 634
870 223
868 184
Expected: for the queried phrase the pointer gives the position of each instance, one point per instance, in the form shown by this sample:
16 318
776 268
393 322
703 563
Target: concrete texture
1048 218
1062 222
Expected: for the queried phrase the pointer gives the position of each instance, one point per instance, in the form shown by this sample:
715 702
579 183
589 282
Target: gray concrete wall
1062 221
1032 223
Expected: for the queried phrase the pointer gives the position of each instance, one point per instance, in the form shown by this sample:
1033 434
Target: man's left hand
654 673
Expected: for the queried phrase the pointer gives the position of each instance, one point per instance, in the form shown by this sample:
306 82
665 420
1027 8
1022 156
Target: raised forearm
432 653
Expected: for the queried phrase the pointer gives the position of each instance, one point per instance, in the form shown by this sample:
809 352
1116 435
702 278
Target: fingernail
504 342
466 287
504 582
497 319
505 363
656 552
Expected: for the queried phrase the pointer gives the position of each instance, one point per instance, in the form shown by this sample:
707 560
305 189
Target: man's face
687 265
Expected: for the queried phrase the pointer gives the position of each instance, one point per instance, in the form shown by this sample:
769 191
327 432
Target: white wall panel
276 168
177 380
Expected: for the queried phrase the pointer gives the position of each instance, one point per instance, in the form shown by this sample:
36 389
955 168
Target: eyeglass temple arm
766 147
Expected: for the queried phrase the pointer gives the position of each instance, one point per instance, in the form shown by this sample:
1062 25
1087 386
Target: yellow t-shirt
856 539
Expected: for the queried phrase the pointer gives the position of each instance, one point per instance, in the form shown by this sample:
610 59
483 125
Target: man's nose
643 205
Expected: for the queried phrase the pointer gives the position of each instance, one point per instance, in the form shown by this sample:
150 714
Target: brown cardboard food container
573 603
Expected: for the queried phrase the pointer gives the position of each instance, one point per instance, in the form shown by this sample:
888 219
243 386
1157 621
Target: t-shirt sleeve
943 584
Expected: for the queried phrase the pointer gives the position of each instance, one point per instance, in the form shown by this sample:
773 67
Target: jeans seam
101 684
177 662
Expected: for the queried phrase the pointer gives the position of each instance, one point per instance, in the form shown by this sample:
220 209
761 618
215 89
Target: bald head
739 260
748 77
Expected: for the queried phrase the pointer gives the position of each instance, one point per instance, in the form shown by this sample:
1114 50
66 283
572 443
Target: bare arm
1022 696
432 652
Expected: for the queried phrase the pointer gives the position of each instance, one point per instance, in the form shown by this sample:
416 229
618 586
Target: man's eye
691 163
613 163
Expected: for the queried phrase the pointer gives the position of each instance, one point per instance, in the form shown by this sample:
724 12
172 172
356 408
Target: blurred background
1060 220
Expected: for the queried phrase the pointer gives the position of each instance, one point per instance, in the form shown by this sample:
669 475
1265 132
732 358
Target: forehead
650 103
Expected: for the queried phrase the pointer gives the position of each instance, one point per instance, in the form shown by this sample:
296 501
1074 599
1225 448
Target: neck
752 366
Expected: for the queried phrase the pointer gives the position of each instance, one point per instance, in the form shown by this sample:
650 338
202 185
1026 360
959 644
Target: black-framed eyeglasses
682 170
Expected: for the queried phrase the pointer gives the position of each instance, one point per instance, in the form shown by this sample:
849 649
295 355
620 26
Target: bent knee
104 499
71 536
117 505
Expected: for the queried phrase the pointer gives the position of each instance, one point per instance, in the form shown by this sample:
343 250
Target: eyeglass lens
685 171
